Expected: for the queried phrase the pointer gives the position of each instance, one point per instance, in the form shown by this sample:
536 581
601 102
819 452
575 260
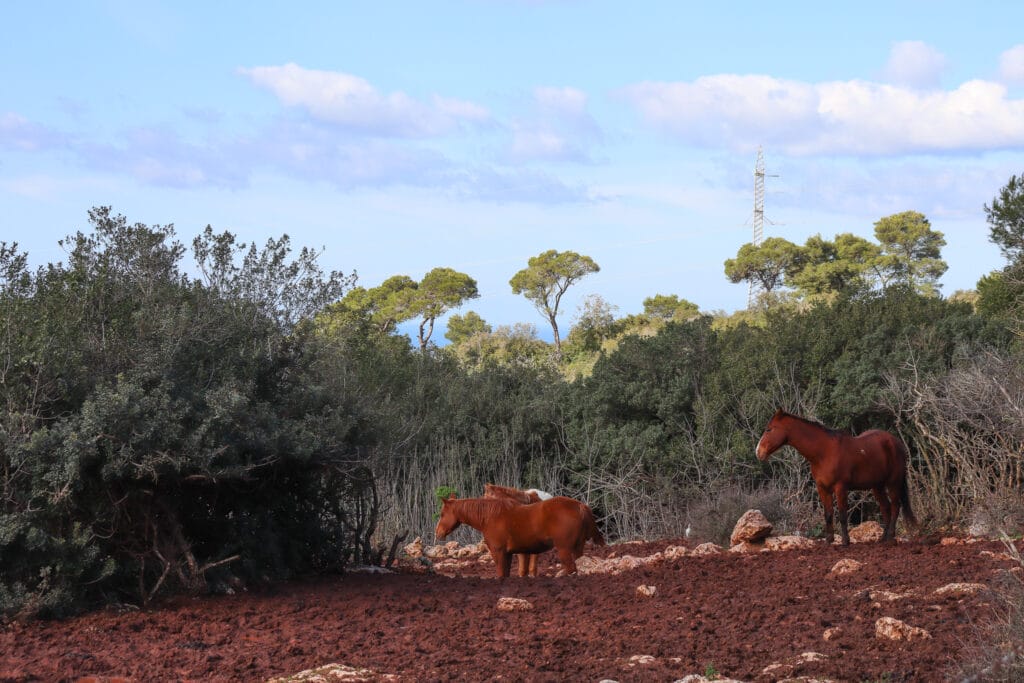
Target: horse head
774 437
448 521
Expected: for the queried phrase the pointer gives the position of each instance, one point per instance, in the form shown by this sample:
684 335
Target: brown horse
841 462
527 562
524 496
509 527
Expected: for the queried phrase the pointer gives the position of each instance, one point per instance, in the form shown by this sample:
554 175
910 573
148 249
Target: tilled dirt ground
748 617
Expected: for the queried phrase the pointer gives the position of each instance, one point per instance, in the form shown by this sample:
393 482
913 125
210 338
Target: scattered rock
846 566
894 629
812 657
640 660
866 532
960 589
514 605
887 596
831 634
674 552
954 540
996 556
777 671
789 543
705 549
335 672
414 549
646 591
747 547
445 550
613 565
752 527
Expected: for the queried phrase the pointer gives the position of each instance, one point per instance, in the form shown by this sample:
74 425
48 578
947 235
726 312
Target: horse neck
806 438
474 511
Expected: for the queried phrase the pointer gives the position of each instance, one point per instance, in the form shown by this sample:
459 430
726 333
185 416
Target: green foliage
441 290
462 328
547 277
670 307
911 252
158 430
827 268
445 492
1005 217
765 265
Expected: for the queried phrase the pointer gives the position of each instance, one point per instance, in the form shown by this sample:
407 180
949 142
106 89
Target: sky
473 134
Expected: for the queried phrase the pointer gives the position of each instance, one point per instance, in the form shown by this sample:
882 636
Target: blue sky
476 134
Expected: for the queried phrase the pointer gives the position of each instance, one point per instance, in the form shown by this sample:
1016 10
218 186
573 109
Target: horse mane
483 509
814 423
520 496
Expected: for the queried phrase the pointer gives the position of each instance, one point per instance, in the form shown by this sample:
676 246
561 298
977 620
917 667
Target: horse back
557 521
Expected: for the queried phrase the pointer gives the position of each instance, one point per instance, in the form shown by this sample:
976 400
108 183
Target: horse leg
524 563
502 562
894 500
841 505
826 502
567 558
532 570
884 507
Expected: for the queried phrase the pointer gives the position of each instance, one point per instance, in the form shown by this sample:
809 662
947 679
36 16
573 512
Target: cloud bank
353 103
855 117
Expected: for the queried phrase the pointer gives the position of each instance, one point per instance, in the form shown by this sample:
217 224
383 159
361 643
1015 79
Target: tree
1006 218
545 280
765 265
462 328
825 267
441 290
670 307
911 252
595 322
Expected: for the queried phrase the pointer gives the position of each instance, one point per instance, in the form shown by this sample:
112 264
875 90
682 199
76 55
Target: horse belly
528 544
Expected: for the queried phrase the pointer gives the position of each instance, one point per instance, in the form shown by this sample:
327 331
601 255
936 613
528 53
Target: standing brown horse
509 527
840 462
527 562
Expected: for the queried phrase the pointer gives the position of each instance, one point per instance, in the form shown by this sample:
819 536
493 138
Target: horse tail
593 534
904 486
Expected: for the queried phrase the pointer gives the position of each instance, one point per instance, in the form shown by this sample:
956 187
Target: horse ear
451 496
780 412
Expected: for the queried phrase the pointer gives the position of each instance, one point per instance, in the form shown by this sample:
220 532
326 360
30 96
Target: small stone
705 549
846 566
894 629
960 589
831 634
646 591
866 532
514 605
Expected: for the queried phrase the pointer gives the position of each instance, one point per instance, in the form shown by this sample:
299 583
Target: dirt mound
753 617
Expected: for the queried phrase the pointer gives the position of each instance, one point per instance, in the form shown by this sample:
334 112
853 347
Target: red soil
735 614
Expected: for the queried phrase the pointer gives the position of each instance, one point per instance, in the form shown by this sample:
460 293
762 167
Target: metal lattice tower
759 198
753 289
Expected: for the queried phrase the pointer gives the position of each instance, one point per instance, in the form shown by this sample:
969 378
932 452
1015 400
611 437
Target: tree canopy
1005 216
545 280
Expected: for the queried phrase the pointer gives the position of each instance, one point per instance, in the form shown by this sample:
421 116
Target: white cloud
839 117
561 101
352 102
1011 65
559 128
914 64
17 132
